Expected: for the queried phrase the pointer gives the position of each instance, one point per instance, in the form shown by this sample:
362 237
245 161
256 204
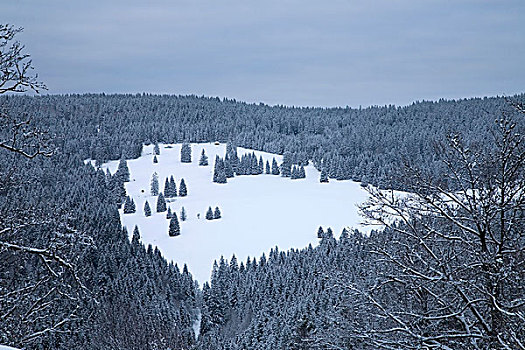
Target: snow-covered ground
259 212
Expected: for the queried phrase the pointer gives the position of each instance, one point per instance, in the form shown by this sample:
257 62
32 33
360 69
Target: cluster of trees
213 214
446 271
231 165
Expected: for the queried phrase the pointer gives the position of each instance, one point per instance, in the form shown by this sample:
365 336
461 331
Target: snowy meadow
258 212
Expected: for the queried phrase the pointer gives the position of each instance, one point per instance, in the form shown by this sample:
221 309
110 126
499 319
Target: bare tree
40 289
455 263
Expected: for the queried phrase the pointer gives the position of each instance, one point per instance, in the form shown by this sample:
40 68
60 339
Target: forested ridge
348 293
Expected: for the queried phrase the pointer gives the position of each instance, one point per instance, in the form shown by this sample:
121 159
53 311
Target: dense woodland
438 277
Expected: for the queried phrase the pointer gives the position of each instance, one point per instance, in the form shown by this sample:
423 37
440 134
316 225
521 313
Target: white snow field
259 212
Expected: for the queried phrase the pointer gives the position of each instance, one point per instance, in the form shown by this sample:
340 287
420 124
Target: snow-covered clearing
259 212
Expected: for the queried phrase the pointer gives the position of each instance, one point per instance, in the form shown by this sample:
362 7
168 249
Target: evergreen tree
286 165
183 190
209 214
320 232
275 167
135 240
219 174
155 184
183 216
161 203
185 153
167 189
174 229
260 166
123 171
173 186
203 161
129 206
301 174
324 175
217 213
147 209
228 169
168 213
155 160
268 170
294 174
156 149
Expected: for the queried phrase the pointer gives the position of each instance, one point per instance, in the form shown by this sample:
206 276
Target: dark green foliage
203 161
169 214
147 209
154 188
275 167
183 215
155 160
161 203
183 190
173 186
209 214
174 229
217 213
219 173
129 206
185 153
268 169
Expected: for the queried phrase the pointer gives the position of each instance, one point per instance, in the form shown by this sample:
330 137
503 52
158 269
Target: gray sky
316 53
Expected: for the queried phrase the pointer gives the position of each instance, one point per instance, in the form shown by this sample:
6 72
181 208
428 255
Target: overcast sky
315 53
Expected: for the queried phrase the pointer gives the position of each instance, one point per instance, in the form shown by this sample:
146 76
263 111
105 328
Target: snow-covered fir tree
154 186
155 160
183 190
123 171
174 229
183 215
185 153
169 213
147 209
217 213
275 167
161 203
209 214
156 149
286 165
219 174
203 161
129 206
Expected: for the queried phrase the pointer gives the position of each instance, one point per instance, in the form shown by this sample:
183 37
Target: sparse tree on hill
147 209
154 184
268 169
161 203
209 214
183 190
185 153
173 186
183 215
174 229
203 161
129 206
217 213
275 167
156 149
155 160
168 213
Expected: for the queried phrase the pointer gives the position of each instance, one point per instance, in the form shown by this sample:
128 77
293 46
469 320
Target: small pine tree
217 213
268 170
167 189
174 229
286 165
123 170
209 214
161 203
324 175
219 175
147 209
294 173
320 232
156 149
301 174
183 216
228 169
183 190
155 160
155 184
173 186
168 213
203 161
129 206
135 238
275 167
260 166
185 153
